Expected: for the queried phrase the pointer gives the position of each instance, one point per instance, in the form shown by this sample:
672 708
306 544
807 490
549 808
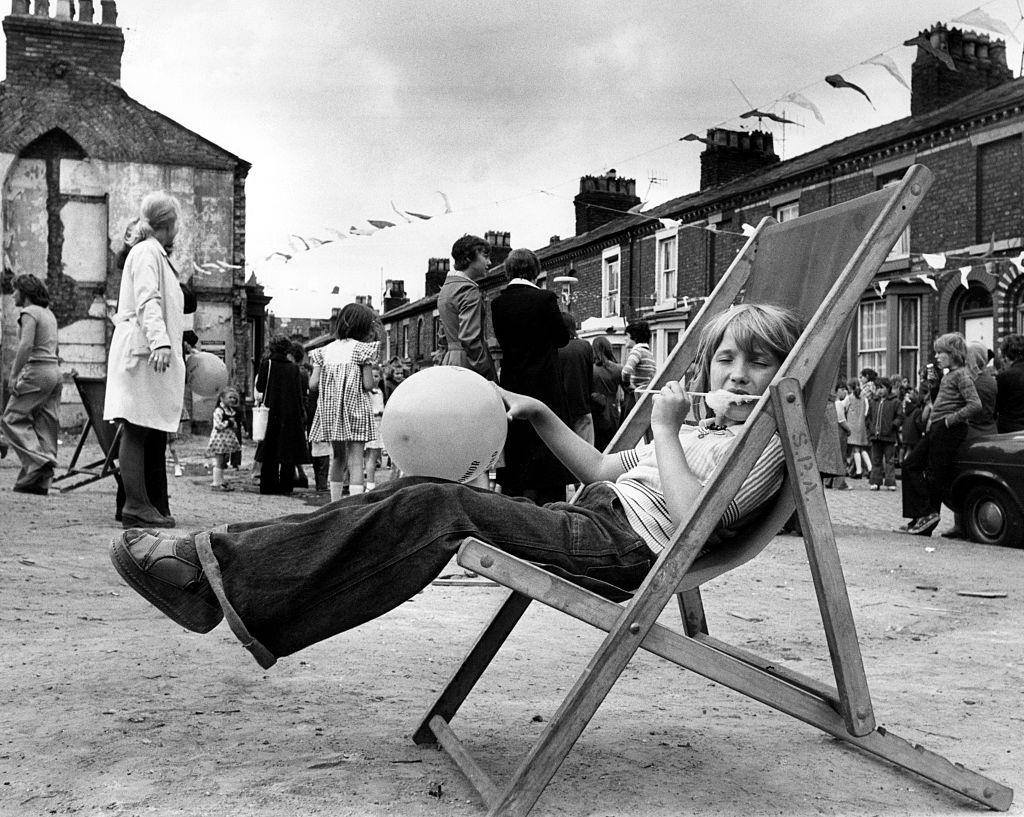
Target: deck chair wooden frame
92 391
849 242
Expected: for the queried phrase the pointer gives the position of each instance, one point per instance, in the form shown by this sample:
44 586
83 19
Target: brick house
966 126
77 154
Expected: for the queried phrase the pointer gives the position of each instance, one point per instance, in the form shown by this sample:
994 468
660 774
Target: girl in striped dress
342 371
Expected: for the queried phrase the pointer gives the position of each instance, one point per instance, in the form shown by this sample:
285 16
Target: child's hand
671 406
519 406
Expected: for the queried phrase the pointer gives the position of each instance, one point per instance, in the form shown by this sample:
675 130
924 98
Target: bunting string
977 17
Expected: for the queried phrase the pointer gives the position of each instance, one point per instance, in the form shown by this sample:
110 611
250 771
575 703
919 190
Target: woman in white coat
145 369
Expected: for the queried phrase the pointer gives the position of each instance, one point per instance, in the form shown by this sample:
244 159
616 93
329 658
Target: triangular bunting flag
711 228
982 19
889 64
927 279
925 44
964 272
1018 262
768 115
804 102
749 230
692 137
935 260
882 286
990 268
836 81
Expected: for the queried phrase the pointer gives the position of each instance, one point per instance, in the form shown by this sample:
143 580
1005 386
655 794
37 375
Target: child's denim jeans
300 579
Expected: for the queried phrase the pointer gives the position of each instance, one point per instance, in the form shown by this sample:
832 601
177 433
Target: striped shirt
640 366
643 500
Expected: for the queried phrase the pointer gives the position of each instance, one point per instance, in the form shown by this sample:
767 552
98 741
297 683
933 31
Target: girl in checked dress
344 417
223 440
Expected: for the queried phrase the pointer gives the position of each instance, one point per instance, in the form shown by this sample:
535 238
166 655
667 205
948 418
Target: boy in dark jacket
884 418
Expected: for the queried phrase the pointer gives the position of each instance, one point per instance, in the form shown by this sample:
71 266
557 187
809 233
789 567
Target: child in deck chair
286 583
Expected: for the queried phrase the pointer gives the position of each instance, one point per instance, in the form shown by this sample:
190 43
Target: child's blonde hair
954 345
755 328
225 391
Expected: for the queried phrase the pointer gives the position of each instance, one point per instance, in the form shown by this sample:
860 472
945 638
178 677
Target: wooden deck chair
92 390
819 264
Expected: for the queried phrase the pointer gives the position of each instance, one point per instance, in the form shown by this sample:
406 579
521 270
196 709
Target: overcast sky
343 107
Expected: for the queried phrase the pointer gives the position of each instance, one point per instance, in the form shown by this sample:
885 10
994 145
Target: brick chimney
394 295
730 154
602 199
980 65
38 45
501 245
437 271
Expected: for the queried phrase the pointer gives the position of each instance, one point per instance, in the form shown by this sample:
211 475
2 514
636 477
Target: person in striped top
368 553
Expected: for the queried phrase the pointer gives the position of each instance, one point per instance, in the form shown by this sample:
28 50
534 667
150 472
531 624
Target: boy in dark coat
884 418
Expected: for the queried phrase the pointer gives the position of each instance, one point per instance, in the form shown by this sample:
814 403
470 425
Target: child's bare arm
586 462
678 482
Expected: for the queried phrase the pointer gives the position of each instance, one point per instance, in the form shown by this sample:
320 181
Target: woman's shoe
906 528
223 488
31 489
925 525
130 520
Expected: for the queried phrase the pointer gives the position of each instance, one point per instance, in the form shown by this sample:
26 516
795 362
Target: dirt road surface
108 708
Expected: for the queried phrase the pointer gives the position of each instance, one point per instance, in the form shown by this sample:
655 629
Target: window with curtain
610 270
666 263
871 330
910 336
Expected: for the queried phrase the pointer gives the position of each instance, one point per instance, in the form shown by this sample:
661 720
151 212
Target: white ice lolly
719 400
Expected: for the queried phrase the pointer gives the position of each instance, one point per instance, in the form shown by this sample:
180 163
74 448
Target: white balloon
445 422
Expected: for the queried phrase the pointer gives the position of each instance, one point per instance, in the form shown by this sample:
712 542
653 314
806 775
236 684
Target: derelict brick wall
947 215
727 246
645 264
34 44
999 190
588 291
693 262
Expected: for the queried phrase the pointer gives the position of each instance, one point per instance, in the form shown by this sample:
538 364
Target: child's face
881 391
944 359
231 399
842 393
741 372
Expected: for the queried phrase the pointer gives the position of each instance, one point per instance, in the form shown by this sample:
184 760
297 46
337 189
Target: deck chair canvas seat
818 264
93 391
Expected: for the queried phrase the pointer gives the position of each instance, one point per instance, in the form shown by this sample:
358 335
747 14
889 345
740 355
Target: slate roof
104 120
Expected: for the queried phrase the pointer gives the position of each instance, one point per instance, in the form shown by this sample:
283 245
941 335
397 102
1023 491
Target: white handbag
260 418
261 414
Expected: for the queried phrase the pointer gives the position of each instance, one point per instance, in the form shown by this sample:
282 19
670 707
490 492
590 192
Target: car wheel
992 517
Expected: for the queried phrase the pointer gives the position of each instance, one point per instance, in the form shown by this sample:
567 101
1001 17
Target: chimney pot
42 8
109 12
19 7
554 239
85 11
981 66
63 10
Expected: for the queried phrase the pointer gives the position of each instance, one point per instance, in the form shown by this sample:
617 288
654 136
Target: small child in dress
374 446
223 439
344 414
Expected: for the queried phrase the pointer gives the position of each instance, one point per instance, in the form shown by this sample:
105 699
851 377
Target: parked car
988 489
